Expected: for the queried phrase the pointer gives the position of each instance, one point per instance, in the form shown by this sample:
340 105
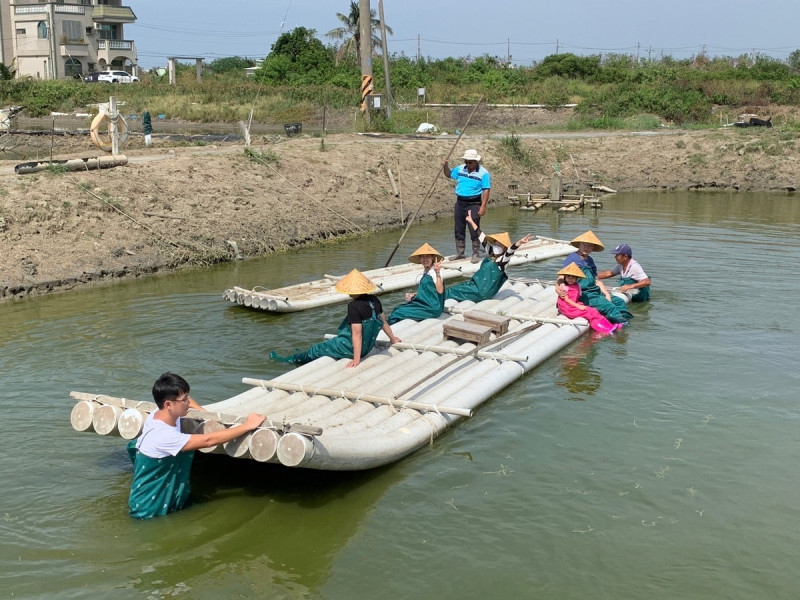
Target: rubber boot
476 251
461 245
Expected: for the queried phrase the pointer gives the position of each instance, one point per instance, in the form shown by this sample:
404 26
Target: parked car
91 77
116 77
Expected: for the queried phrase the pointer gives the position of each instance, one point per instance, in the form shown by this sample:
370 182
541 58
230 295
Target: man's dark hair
168 387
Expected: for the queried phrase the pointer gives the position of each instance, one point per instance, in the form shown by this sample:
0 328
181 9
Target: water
656 464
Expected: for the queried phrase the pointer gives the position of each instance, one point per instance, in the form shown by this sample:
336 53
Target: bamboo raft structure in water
321 292
402 396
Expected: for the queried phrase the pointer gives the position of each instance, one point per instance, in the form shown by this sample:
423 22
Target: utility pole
385 51
418 48
365 38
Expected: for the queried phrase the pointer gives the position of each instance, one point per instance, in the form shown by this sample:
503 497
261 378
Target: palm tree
351 34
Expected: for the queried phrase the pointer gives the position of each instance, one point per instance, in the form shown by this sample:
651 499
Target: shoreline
176 206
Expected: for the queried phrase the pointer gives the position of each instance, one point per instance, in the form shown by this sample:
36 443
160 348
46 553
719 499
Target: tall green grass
609 91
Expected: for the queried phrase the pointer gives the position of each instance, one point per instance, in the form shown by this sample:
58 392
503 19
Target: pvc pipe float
81 416
130 423
104 419
263 445
294 449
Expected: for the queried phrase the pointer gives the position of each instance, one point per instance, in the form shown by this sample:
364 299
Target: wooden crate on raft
464 330
498 323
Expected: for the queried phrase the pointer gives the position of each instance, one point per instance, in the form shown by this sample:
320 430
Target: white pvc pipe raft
324 416
321 292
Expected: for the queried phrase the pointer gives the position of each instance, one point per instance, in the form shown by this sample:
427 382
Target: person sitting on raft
593 292
428 301
632 278
357 332
491 275
569 306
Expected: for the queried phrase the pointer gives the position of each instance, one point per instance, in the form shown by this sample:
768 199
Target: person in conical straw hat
357 332
491 275
569 291
593 292
428 301
473 186
355 283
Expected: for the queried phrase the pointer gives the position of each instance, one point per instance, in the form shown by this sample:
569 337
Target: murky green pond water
659 464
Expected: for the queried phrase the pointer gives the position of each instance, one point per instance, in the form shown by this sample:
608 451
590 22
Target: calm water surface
661 463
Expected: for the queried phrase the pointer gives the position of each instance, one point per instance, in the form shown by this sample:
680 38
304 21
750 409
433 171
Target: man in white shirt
162 454
632 278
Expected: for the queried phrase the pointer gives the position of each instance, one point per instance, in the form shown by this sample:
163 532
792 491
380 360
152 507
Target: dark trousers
460 217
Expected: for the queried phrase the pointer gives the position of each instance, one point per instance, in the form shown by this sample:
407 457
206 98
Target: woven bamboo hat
590 238
355 283
499 238
425 249
572 269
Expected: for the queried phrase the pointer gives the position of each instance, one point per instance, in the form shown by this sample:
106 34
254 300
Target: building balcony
73 48
112 14
109 50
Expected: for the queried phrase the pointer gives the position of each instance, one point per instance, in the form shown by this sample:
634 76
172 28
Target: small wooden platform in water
323 415
321 292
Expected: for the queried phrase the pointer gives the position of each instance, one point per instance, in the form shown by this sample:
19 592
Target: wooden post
555 186
113 115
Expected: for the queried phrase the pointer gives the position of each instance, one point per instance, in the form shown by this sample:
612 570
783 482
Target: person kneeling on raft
428 301
357 332
491 275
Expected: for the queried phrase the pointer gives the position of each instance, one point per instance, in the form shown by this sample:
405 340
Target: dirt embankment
172 206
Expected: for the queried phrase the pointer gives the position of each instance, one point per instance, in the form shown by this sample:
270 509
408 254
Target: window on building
20 32
72 30
41 30
108 31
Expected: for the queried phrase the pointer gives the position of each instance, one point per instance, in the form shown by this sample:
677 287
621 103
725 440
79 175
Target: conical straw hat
355 283
425 249
590 238
572 269
499 238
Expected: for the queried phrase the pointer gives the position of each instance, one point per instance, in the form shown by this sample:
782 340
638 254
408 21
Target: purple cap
622 249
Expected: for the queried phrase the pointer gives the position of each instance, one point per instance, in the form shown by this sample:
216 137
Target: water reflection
577 374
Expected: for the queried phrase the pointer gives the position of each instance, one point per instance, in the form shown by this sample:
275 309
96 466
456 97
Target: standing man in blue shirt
473 184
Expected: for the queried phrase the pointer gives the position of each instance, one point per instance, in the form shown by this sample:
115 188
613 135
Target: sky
527 30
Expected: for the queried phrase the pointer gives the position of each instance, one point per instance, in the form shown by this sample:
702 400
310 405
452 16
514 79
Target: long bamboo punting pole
333 393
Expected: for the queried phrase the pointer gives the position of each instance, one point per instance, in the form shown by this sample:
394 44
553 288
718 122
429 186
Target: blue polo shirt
470 184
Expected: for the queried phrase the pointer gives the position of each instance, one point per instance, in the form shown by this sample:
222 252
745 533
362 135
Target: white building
63 39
